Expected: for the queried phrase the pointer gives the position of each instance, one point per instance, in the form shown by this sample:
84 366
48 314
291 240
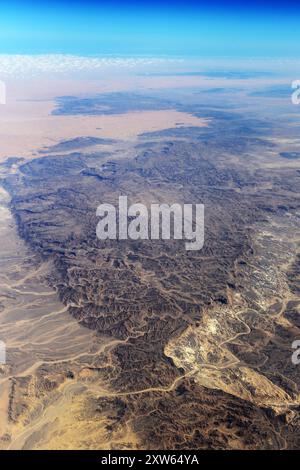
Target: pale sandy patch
26 127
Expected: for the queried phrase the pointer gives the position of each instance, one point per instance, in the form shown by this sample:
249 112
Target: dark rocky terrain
203 351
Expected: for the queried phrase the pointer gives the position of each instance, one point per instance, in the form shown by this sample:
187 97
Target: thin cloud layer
32 65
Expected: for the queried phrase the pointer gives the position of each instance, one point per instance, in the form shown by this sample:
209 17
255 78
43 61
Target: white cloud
32 65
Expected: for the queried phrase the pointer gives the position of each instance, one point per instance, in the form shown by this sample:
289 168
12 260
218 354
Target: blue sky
183 28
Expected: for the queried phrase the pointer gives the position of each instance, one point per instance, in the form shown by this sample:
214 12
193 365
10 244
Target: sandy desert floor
26 123
41 338
52 391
